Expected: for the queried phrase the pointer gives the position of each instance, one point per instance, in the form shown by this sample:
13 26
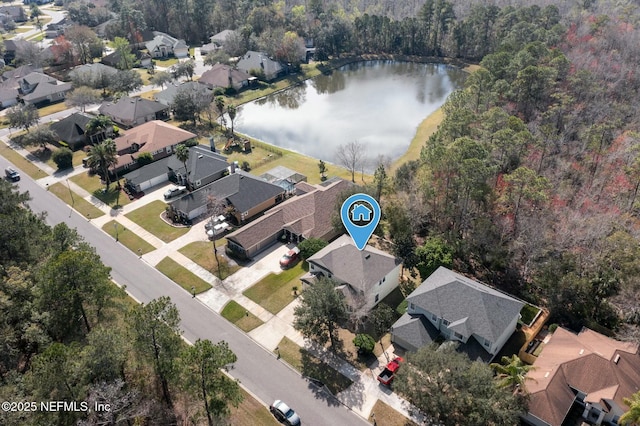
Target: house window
379 282
411 306
445 322
384 279
377 298
487 343
434 317
458 335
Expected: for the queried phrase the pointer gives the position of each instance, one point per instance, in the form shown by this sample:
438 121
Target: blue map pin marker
360 214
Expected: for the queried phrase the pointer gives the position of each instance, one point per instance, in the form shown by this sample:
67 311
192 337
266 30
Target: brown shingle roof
308 215
152 136
221 75
584 361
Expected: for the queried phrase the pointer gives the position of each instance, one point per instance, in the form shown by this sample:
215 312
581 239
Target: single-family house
155 137
260 65
14 45
203 167
131 112
221 38
366 276
163 45
244 196
88 74
224 76
72 129
13 12
460 309
141 57
307 215
38 88
8 95
166 96
585 373
284 177
205 49
148 176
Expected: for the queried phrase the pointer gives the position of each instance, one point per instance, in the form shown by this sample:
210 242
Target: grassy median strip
22 163
148 217
182 276
201 252
127 237
310 366
238 315
83 207
274 292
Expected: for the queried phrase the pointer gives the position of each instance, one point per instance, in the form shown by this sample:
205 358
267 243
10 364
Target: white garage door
153 182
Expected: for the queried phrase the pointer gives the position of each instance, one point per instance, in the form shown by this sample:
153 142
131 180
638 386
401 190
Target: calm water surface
379 103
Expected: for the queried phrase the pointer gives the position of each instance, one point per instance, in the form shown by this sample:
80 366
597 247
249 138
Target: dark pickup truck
389 373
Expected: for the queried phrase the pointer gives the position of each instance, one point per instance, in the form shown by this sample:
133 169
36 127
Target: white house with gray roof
163 45
459 309
366 276
256 63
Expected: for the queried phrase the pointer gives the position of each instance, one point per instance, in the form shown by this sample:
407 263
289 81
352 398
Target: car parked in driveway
284 413
174 191
290 258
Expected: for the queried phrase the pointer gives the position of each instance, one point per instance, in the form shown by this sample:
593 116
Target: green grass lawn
201 252
52 109
128 238
149 95
182 276
22 163
312 367
144 74
83 207
95 187
275 291
241 317
165 62
528 313
76 161
149 218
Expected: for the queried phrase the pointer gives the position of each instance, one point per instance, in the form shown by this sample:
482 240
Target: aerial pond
379 103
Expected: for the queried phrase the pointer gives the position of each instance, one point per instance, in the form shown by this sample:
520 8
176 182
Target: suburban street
257 369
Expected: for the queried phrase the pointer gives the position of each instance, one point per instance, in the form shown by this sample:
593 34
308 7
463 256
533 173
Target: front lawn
201 252
144 74
83 207
22 163
76 160
127 238
148 217
310 366
165 63
52 109
383 414
251 412
95 187
182 276
241 317
275 291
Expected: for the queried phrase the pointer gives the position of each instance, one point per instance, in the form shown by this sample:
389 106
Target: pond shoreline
426 127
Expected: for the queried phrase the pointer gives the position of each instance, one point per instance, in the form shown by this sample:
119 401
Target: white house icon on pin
361 213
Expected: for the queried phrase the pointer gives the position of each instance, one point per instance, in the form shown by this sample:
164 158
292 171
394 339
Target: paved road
256 368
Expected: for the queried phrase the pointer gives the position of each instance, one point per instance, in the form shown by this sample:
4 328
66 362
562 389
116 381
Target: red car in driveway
290 258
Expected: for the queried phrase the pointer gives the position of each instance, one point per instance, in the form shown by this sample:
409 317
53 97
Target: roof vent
546 375
616 359
368 256
200 156
581 351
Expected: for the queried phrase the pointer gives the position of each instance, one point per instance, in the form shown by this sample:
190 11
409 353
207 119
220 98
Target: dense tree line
68 334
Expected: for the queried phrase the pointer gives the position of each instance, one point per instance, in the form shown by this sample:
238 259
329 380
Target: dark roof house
14 12
224 76
166 96
245 195
258 63
307 215
462 310
587 371
71 129
203 165
130 112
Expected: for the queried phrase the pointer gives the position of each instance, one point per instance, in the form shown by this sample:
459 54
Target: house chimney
232 168
616 359
212 144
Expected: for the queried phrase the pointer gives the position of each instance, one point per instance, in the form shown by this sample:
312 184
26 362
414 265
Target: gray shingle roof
258 60
221 75
222 36
242 190
166 96
71 127
148 172
202 163
470 306
416 330
130 109
93 70
45 86
362 269
162 39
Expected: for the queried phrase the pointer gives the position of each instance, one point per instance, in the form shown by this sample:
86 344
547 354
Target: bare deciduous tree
352 157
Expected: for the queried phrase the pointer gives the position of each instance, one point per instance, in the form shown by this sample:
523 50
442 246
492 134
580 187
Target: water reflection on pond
379 103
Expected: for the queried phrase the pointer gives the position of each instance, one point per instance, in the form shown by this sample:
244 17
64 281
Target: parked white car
174 191
217 230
